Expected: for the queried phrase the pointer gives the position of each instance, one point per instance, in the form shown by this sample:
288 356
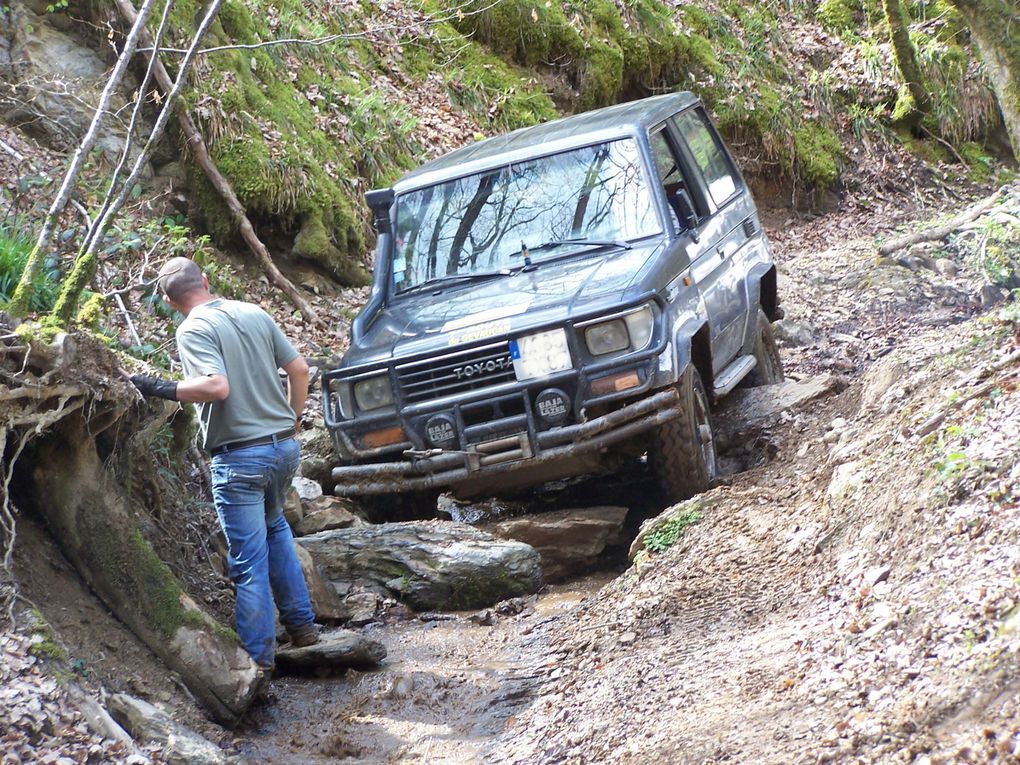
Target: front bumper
509 454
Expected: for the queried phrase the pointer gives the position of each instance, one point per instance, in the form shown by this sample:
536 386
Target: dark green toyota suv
549 301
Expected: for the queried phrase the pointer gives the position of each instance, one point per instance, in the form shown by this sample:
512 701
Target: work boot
305 635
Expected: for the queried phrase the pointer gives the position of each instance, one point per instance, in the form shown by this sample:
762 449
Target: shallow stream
447 689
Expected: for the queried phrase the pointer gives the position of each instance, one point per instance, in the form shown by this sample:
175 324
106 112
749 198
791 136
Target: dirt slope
853 600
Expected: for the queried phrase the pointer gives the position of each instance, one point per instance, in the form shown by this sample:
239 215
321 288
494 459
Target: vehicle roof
578 129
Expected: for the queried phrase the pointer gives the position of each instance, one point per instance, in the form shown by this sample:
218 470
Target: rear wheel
683 449
769 369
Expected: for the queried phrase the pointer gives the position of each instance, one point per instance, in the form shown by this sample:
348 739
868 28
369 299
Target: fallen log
89 516
941 232
196 143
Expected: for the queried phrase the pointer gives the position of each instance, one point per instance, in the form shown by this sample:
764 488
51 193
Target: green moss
44 331
92 312
837 15
978 161
818 152
134 571
44 644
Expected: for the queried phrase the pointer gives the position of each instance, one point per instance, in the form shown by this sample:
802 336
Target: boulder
307 489
879 380
790 332
293 510
361 608
150 725
58 79
429 564
326 514
334 650
325 603
747 411
569 541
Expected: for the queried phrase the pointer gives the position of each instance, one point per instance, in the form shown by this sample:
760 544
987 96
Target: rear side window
708 154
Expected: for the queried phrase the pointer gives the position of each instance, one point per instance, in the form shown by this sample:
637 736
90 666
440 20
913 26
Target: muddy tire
769 369
683 450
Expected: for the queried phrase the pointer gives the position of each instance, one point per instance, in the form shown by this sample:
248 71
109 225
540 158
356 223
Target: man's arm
297 386
201 390
197 390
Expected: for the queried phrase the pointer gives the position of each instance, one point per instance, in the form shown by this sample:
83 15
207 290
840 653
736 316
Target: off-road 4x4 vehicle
548 299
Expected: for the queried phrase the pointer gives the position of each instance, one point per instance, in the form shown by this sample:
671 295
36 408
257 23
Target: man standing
231 352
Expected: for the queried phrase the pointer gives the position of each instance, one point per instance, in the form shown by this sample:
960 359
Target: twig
127 317
200 151
8 149
945 143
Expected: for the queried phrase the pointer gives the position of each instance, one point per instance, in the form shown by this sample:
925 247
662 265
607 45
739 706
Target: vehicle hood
466 313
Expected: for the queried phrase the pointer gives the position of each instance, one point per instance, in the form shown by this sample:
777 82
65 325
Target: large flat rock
569 541
430 565
747 411
334 650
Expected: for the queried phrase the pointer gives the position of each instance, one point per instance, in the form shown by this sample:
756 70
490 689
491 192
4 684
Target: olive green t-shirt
241 342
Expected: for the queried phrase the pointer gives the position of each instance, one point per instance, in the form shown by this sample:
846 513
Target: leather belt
283 435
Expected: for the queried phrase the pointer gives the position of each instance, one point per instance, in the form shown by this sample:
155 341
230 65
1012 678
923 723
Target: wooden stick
8 149
940 232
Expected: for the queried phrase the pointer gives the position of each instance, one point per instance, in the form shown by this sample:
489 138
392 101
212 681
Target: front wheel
683 449
769 369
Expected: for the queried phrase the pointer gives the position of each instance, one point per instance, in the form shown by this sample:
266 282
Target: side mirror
380 200
684 209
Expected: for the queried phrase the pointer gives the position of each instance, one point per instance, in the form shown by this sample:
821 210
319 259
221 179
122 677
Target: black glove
154 386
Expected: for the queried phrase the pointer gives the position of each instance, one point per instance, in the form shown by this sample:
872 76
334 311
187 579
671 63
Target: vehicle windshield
480 224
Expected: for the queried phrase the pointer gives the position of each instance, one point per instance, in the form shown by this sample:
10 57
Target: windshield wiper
438 280
618 243
526 251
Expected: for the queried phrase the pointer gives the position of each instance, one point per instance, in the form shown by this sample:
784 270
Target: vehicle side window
668 170
708 154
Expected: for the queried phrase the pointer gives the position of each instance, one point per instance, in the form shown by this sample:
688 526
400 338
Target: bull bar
508 454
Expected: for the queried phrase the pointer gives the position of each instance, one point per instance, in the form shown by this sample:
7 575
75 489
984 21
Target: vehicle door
715 187
668 167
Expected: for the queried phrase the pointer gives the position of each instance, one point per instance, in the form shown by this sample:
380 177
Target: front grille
455 373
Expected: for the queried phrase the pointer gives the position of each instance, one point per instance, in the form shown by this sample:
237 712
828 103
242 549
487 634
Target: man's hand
154 386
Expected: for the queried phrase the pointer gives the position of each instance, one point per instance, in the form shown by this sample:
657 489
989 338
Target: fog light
441 432
615 383
553 406
377 438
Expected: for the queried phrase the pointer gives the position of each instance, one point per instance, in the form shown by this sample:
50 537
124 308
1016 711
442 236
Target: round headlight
608 337
373 393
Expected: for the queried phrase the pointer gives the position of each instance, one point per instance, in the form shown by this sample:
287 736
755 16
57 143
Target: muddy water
447 689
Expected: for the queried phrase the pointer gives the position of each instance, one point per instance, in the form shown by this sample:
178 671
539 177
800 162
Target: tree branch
941 232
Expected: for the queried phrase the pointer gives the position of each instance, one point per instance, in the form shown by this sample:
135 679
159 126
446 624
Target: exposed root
32 401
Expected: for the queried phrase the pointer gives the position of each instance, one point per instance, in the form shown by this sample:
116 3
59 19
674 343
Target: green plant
15 247
666 534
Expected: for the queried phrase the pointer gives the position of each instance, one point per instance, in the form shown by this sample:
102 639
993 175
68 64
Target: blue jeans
248 487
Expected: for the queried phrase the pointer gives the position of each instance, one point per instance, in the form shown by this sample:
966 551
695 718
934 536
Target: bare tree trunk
85 263
906 61
198 147
995 25
26 286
